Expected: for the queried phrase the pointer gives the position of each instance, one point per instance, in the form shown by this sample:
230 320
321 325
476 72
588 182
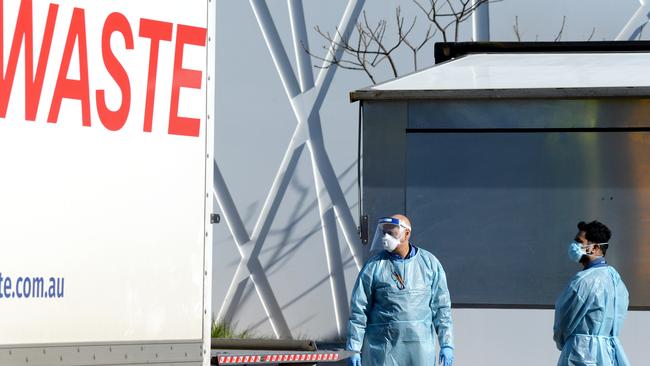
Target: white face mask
576 251
389 242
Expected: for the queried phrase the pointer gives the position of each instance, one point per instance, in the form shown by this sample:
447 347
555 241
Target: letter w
24 31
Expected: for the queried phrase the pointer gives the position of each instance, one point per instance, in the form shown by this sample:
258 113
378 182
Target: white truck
105 168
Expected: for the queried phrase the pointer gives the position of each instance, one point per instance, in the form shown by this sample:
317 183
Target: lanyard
401 283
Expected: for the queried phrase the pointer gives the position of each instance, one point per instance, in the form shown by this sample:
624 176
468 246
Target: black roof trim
446 51
546 93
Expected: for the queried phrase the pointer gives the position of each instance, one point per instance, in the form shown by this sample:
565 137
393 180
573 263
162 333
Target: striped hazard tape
275 358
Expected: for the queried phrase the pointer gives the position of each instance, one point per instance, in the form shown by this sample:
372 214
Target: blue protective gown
588 319
394 326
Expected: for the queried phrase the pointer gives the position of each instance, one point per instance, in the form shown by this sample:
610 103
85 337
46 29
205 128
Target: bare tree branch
559 34
453 17
515 28
433 14
372 46
593 31
413 47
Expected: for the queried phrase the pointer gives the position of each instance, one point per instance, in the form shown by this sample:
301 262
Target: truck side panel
105 154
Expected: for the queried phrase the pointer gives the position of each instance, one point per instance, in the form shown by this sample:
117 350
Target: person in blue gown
399 299
589 313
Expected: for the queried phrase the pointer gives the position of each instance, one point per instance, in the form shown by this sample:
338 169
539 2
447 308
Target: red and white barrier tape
274 358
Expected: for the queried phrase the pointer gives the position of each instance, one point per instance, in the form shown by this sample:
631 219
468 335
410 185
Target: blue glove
354 360
446 356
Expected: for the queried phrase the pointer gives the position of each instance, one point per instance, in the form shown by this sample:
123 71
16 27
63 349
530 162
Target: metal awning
523 75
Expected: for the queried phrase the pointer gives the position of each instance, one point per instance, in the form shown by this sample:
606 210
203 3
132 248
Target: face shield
390 231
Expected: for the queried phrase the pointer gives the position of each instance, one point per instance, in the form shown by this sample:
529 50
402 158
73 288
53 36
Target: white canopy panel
530 71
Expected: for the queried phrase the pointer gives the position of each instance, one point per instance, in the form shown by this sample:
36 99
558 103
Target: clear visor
391 226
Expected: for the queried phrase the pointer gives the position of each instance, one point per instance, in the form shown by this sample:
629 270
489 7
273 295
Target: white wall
525 337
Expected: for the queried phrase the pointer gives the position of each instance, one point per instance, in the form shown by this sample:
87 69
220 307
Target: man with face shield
399 298
589 313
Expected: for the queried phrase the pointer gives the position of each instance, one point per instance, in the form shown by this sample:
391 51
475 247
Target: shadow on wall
279 257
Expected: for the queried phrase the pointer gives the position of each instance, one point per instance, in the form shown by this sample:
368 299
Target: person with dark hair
589 313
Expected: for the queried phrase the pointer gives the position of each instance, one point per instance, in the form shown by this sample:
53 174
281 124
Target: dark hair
596 232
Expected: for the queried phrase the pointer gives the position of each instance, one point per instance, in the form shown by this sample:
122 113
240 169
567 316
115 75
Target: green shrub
225 330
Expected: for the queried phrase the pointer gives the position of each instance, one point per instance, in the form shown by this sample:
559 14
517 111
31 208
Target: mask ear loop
592 247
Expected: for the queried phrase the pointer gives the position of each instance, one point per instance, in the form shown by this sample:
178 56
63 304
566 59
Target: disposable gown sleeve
570 308
441 307
360 304
622 303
